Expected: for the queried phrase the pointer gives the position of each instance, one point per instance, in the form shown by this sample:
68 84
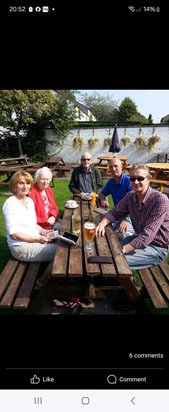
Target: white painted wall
73 155
84 117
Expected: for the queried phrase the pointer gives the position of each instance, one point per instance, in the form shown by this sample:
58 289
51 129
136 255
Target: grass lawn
61 192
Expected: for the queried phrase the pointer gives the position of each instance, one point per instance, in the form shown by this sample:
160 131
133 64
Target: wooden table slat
92 269
13 287
121 262
103 249
153 291
107 270
75 268
61 258
160 279
7 275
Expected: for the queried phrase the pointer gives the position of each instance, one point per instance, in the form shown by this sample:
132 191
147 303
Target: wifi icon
131 8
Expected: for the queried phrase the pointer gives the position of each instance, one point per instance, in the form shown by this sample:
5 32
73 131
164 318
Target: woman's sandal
64 303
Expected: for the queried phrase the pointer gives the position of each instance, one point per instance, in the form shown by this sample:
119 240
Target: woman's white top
19 218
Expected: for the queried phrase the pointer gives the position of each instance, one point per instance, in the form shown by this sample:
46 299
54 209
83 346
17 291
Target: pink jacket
39 205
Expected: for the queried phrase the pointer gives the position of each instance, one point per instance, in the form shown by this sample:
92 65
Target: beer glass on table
93 198
89 231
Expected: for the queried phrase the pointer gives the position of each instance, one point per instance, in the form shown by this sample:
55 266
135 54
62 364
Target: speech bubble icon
112 379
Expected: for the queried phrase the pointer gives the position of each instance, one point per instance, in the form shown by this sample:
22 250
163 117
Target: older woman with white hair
47 211
26 239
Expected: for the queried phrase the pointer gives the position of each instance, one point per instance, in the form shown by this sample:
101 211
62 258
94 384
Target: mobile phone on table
100 210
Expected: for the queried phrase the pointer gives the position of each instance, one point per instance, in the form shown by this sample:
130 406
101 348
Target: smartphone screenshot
114 353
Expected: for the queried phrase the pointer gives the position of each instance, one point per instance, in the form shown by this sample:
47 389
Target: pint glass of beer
93 198
89 231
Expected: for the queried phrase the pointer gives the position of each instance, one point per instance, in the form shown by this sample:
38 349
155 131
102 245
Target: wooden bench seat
160 183
156 284
62 170
16 283
102 167
4 183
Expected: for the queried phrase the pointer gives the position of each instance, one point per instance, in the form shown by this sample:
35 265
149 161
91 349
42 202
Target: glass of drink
89 231
93 198
76 224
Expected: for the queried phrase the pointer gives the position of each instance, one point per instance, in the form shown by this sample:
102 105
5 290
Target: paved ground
102 307
42 301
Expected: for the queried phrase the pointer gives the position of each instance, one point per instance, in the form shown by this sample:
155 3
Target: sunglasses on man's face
86 160
139 178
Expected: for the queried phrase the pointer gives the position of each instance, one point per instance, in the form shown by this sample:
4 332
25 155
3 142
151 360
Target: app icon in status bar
44 9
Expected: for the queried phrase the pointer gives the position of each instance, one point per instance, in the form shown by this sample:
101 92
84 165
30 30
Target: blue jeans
144 258
129 231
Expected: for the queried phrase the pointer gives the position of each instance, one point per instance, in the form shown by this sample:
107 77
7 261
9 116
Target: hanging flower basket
78 142
140 142
107 141
125 140
152 142
92 142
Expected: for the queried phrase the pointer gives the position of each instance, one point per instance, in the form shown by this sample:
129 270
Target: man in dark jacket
85 178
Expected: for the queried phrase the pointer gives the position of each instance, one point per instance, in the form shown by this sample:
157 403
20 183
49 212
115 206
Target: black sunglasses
139 178
87 160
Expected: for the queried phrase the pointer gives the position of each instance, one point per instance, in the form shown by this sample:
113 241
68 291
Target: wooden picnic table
10 170
57 164
14 161
71 261
160 172
104 163
54 162
159 168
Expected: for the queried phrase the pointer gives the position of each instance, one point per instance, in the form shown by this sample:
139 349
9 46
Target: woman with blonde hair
26 239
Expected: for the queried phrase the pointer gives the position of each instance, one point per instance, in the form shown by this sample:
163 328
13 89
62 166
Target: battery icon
30 9
45 9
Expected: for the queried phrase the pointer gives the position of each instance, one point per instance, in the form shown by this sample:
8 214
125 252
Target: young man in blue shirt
117 187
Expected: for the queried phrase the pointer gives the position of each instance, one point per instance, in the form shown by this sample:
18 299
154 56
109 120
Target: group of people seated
140 214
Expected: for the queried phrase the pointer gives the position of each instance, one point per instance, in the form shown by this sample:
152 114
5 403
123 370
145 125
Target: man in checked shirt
149 213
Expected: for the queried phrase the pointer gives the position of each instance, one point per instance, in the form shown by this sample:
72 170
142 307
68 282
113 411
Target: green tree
127 109
25 114
138 117
103 107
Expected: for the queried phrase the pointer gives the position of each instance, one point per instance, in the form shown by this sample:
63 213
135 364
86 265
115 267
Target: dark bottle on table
90 217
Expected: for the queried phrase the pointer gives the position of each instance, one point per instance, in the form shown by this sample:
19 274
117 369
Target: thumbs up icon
34 380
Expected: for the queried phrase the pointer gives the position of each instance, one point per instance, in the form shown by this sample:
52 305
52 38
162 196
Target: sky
154 102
